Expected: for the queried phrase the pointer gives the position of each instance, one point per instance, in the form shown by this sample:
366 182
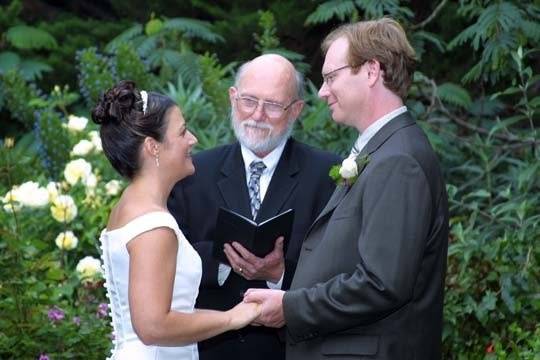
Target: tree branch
430 17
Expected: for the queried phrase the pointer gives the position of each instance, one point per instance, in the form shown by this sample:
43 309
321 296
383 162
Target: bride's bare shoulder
127 209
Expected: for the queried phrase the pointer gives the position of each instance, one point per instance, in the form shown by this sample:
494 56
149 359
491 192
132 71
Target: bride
152 273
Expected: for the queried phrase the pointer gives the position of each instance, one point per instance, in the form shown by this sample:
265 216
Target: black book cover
259 239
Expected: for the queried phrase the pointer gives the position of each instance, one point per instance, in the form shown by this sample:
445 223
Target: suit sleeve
395 204
177 206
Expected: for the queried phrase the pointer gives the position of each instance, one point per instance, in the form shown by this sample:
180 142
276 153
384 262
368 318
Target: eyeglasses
330 76
248 105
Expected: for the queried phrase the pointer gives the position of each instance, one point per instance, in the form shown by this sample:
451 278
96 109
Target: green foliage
130 66
22 37
348 10
500 28
216 82
9 14
18 96
43 277
94 74
268 39
211 127
27 37
454 94
53 138
341 9
165 44
268 42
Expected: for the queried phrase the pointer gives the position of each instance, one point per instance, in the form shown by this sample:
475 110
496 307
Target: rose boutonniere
348 171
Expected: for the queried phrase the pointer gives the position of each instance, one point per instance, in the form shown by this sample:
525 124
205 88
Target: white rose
76 123
11 200
96 140
32 195
82 148
113 187
66 240
348 168
52 188
88 267
77 170
64 209
90 181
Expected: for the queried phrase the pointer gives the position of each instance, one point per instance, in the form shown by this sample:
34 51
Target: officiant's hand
251 267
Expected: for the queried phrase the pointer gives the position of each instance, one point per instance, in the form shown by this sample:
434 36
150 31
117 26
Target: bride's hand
243 314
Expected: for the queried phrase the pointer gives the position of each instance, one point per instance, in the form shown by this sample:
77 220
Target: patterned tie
256 168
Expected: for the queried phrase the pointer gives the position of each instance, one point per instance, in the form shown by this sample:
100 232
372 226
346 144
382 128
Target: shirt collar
374 128
269 160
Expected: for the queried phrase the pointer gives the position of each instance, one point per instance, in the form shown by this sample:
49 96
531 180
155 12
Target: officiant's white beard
255 143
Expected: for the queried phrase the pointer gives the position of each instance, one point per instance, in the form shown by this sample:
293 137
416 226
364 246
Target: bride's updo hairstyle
124 124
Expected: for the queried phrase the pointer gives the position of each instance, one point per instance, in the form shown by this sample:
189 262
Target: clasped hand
271 306
251 267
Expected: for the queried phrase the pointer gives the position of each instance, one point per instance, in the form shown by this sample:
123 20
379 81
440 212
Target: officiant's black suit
300 182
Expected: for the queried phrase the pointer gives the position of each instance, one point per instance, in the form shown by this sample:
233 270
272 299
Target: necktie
256 168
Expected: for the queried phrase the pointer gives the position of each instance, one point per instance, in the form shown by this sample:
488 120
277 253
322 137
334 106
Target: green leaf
153 26
193 28
505 124
329 9
126 36
33 69
454 94
27 37
8 61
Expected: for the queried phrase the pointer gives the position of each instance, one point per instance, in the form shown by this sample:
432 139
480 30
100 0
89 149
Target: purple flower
102 310
56 314
43 356
77 320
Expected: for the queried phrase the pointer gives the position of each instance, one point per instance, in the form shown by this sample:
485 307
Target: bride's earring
157 158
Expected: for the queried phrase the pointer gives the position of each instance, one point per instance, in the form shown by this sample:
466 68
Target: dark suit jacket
369 281
300 181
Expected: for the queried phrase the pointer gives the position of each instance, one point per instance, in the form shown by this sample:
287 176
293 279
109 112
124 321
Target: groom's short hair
383 40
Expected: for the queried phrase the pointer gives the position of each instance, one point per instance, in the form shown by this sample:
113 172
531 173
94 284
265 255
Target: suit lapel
399 122
233 185
282 184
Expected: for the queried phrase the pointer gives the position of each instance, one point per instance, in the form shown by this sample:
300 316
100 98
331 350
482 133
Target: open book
259 239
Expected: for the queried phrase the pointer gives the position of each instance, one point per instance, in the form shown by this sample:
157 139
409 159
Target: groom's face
343 89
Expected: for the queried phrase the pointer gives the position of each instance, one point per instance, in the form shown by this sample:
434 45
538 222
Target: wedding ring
240 270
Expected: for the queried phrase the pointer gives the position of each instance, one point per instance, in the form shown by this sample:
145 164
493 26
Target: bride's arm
152 264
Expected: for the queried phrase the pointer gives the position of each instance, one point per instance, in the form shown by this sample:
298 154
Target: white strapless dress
116 268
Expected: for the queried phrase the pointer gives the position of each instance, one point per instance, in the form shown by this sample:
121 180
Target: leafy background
475 93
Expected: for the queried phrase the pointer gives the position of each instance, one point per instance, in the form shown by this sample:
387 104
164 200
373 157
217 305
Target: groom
369 281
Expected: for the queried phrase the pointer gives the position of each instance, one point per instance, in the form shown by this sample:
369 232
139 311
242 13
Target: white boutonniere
348 171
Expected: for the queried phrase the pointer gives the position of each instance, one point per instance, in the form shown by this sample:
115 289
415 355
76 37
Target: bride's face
175 152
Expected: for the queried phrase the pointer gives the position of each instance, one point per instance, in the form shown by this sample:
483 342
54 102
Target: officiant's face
263 104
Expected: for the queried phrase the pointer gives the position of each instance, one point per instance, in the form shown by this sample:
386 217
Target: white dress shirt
374 128
271 160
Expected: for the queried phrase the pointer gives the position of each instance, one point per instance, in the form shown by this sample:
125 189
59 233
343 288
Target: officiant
261 175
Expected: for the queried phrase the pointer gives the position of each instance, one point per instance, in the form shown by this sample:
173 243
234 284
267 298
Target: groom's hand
271 306
251 267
